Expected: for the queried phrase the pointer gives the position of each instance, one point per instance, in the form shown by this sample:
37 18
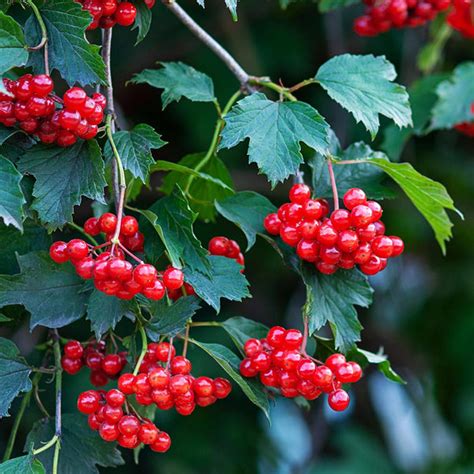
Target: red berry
125 13
382 246
347 241
165 351
73 349
340 219
218 246
142 384
326 268
308 250
330 255
88 402
158 377
291 359
145 274
129 226
128 425
148 433
309 229
180 365
112 414
300 193
398 245
306 369
77 249
276 336
65 138
270 378
327 235
115 398
339 400
334 361
252 347
294 213
376 209
292 339
162 444
94 360
93 422
108 222
363 253
70 365
155 292
261 361
323 376
92 226
290 234
272 224
247 369
313 209
361 216
173 278
58 252
69 119
179 384
126 384
129 442
203 387
108 431
373 266
42 85
74 98
354 197
221 387
119 269
111 364
99 99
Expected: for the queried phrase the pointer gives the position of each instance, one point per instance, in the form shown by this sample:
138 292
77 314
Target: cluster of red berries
383 15
467 128
108 13
103 366
280 362
349 237
165 379
461 17
31 103
225 247
111 272
107 414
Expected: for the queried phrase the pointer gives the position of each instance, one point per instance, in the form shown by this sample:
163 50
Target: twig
186 340
335 194
44 36
234 67
144 348
109 94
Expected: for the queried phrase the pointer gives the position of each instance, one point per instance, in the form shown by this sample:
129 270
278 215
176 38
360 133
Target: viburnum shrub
116 286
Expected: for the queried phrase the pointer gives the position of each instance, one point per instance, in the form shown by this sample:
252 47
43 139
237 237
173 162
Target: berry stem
144 348
85 234
235 68
205 324
302 84
130 254
266 82
58 384
215 140
44 36
45 447
24 403
186 340
335 194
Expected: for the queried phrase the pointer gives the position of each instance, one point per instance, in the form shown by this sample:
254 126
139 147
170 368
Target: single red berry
65 138
347 241
115 398
334 361
376 209
327 235
289 392
300 193
218 246
73 349
142 384
111 364
108 222
58 252
308 250
372 266
74 98
129 226
92 226
290 234
291 359
294 213
340 219
306 368
69 119
88 402
155 292
99 99
158 378
126 383
398 245
354 197
77 249
42 85
322 377
247 369
270 378
145 274
36 106
326 268
276 336
309 229
109 431
363 253
272 224
339 400
203 387
165 351
125 13
180 365
313 209
119 269
173 278
379 228
252 347
292 339
162 444
93 422
288 379
129 442
261 361
98 378
87 108
93 360
330 255
361 216
112 414
221 387
382 246
128 425
148 433
179 384
70 365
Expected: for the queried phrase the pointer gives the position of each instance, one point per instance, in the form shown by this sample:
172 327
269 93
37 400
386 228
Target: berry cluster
106 415
280 362
352 236
226 248
103 366
165 379
381 16
467 128
461 18
108 13
111 272
31 103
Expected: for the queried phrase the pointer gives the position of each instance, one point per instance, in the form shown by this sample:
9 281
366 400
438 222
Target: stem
24 403
57 448
347 162
130 254
302 84
215 140
48 445
81 230
186 340
109 94
144 348
58 384
283 91
205 324
335 194
235 68
44 35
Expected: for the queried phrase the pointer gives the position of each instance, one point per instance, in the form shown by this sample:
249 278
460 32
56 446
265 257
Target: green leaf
455 96
14 375
178 80
63 175
134 147
22 465
363 176
212 182
69 51
230 363
379 359
4 319
236 209
329 5
224 281
104 312
12 44
11 195
7 132
172 218
331 299
13 242
170 320
241 329
429 197
82 449
422 99
52 293
275 130
363 86
142 20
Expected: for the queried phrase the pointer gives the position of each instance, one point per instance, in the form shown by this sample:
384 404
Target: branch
235 68
332 178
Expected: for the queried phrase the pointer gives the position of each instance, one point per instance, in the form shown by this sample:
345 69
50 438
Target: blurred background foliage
423 311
